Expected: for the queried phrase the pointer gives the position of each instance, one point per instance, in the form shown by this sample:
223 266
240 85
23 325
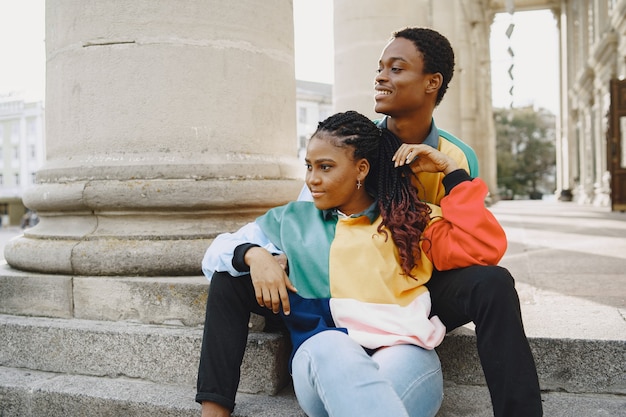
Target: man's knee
495 281
495 295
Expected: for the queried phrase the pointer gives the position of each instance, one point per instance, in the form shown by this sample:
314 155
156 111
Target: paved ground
569 263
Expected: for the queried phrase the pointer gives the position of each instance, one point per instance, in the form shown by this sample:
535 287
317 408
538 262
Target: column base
139 227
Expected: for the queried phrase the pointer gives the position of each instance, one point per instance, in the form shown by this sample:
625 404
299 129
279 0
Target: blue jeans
335 376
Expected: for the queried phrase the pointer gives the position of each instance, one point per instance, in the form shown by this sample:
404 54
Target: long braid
403 213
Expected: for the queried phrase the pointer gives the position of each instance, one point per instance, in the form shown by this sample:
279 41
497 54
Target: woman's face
332 175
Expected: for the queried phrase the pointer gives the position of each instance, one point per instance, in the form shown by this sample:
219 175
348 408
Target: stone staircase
133 351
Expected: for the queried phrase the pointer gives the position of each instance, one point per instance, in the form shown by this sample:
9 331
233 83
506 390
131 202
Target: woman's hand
424 158
269 279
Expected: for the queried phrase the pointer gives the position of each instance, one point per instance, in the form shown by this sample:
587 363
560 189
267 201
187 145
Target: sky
534 43
22 48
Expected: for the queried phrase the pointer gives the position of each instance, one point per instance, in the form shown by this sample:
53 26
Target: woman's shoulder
299 209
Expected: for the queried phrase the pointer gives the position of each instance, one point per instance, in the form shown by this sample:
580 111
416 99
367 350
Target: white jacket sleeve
219 256
305 194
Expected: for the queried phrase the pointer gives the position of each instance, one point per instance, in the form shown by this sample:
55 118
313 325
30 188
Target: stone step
105 314
563 364
156 353
169 354
27 393
150 300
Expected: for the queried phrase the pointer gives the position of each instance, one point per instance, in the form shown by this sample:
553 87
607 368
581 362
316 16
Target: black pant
484 295
229 304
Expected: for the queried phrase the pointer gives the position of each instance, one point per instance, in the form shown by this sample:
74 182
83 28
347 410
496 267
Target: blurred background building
314 103
22 153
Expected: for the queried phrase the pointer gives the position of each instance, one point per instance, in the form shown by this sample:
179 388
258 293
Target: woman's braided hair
404 215
352 129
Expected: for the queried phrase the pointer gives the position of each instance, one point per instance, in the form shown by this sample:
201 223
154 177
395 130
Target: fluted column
167 122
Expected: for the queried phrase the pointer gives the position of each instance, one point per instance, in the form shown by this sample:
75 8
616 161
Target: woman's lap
333 376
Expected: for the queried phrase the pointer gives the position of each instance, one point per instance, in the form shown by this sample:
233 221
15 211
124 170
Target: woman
359 256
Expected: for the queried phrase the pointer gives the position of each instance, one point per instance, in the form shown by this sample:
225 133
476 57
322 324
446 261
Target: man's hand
424 158
269 279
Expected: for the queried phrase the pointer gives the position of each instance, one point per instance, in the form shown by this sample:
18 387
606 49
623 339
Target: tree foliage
525 152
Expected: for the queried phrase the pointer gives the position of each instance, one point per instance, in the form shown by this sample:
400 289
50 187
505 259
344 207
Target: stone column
564 175
362 29
604 68
167 122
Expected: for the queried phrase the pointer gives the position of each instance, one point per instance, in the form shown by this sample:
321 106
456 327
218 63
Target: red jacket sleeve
468 233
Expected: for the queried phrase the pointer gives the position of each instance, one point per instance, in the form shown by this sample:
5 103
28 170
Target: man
414 71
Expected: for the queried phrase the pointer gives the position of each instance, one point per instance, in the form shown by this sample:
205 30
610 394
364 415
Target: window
302 114
302 142
17 179
15 132
31 128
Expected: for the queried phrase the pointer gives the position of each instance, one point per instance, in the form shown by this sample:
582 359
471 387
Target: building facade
314 103
22 153
593 52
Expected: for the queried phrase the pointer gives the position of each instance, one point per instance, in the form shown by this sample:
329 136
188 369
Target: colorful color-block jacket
348 275
429 185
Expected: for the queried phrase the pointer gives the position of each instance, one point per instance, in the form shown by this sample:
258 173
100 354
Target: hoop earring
358 184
